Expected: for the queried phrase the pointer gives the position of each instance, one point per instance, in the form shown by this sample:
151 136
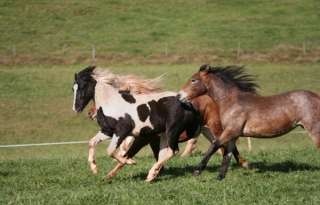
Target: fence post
304 49
238 50
93 55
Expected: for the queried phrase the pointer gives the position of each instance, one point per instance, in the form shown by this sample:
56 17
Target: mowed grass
67 29
35 106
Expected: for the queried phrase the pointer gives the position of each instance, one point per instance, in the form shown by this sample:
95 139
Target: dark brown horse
245 113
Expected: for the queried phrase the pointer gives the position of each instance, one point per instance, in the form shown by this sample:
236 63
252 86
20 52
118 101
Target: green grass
35 106
47 31
279 177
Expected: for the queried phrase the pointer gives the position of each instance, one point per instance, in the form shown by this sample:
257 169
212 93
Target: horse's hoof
245 165
131 162
94 169
220 177
196 172
149 179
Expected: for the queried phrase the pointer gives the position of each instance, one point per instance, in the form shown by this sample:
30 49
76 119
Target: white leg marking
191 145
164 155
125 145
75 89
112 150
99 137
113 145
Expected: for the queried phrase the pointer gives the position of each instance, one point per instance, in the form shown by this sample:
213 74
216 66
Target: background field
153 31
42 44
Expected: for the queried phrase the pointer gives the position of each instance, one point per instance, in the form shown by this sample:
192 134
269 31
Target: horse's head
83 88
195 86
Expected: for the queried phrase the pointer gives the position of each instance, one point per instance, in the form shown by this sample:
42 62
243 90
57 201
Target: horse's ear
75 76
92 67
204 68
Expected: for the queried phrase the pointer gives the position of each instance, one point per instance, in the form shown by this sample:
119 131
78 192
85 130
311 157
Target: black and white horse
137 118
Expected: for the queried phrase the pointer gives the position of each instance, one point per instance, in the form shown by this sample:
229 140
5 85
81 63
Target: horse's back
269 115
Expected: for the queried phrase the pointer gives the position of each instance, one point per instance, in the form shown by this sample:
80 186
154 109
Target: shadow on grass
286 166
174 172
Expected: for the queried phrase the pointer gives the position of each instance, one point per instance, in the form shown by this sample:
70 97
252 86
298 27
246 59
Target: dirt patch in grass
279 54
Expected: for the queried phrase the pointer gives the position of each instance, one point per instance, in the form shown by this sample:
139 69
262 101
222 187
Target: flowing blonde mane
132 83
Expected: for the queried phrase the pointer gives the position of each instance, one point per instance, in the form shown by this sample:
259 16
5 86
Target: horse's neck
104 94
222 94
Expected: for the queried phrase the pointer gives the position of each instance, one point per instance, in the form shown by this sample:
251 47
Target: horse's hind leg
315 134
164 155
314 131
155 146
136 146
240 160
99 137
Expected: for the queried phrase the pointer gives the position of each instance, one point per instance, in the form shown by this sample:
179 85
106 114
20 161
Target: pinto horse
245 113
121 114
162 112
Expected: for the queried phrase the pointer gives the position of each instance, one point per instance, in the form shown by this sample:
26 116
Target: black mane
233 74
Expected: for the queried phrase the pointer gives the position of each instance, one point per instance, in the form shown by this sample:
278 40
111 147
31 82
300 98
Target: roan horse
245 113
85 87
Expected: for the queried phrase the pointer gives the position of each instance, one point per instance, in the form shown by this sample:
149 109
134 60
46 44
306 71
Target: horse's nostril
178 96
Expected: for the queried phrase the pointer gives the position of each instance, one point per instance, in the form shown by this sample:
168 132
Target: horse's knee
110 152
92 143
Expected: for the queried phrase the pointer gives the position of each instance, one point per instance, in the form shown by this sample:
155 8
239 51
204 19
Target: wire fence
76 142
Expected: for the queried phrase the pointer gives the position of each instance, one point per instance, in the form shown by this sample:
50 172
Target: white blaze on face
75 89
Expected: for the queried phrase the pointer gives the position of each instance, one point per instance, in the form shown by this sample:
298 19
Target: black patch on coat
143 112
158 112
121 127
126 95
124 127
107 124
146 131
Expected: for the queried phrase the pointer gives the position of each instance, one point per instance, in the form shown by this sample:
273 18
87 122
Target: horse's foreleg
112 150
115 170
191 145
226 160
124 147
99 137
225 137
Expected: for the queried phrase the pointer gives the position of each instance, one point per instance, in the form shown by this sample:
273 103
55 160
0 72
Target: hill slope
59 30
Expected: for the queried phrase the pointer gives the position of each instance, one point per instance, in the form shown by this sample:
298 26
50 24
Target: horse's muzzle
182 96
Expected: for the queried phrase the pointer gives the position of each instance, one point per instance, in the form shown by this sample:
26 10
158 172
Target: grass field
42 44
64 31
35 106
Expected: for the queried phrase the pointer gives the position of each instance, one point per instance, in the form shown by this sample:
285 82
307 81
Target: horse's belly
147 126
267 128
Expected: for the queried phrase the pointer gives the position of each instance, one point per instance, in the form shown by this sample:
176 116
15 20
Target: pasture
56 32
43 43
35 107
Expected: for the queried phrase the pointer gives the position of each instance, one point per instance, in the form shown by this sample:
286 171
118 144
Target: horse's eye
193 81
